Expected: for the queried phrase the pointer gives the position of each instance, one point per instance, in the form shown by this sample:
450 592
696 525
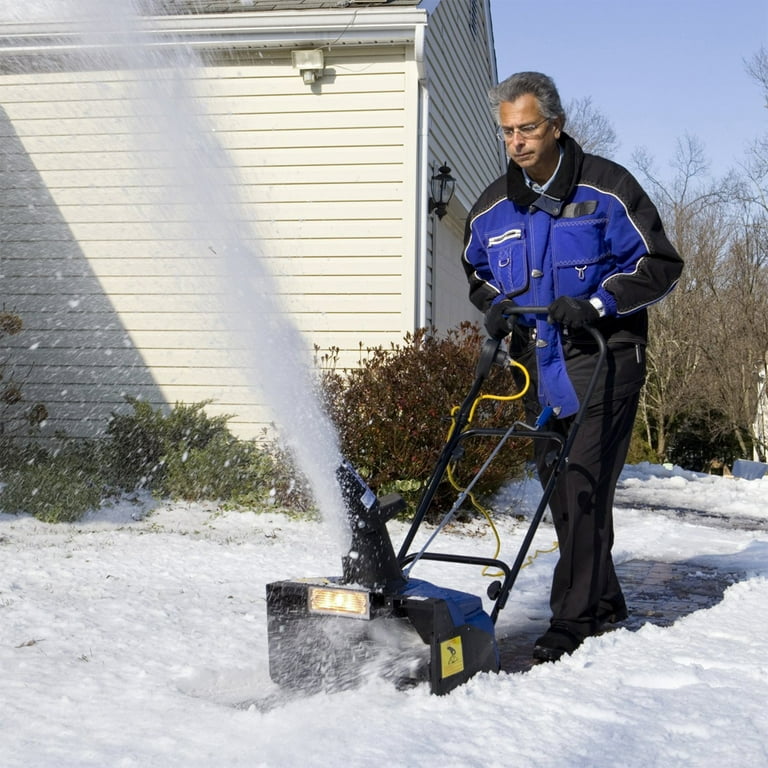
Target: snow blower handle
515 310
590 329
492 351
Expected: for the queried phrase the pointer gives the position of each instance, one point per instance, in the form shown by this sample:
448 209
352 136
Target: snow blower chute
324 633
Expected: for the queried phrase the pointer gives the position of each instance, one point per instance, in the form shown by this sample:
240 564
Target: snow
127 640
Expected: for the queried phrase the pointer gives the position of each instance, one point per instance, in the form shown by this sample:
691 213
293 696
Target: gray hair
539 85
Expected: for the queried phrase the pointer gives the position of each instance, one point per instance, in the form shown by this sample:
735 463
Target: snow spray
275 356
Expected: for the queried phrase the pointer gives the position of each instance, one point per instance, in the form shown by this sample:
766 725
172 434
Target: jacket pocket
579 256
508 260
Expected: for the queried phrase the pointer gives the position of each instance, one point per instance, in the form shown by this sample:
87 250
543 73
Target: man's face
531 141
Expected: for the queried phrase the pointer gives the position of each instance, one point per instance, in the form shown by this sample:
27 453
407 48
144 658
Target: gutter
265 30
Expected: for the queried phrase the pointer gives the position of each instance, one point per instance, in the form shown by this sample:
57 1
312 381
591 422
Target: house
312 129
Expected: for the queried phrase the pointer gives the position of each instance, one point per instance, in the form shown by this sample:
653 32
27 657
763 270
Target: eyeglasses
526 131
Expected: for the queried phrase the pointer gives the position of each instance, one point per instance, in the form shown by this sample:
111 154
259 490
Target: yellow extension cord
475 503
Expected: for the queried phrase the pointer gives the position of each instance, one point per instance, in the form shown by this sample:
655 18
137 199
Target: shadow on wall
73 355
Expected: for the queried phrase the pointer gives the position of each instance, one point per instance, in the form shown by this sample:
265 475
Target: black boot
611 612
556 642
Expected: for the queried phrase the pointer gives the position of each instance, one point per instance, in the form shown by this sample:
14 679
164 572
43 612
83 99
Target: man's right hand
499 320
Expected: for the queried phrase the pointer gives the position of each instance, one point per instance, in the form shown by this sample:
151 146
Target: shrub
290 487
189 455
147 449
639 448
54 487
701 437
184 454
224 468
393 414
135 448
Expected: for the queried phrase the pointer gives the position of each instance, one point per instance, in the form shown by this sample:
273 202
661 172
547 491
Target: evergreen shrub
184 454
701 439
639 448
187 454
56 487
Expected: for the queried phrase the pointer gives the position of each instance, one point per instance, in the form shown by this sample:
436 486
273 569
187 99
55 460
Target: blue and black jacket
594 233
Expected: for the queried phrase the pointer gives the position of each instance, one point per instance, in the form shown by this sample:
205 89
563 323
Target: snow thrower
326 633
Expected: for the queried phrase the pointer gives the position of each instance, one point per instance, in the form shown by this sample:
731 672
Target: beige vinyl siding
116 292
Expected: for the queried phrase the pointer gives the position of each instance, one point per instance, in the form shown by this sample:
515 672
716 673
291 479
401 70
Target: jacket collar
563 183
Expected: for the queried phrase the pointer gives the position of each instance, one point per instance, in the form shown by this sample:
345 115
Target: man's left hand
575 313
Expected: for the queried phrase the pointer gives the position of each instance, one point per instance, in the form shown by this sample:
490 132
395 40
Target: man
575 233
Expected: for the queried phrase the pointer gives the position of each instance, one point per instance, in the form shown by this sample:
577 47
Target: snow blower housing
323 632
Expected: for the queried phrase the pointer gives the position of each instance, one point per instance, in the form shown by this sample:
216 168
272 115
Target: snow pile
128 639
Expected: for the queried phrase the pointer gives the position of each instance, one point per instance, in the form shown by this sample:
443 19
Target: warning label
451 657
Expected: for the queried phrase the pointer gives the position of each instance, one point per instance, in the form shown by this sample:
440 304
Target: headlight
340 602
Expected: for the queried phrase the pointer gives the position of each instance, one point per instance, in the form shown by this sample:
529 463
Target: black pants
584 584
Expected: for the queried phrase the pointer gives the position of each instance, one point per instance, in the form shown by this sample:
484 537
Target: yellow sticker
451 657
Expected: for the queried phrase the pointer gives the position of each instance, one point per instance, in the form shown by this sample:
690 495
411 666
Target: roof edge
362 26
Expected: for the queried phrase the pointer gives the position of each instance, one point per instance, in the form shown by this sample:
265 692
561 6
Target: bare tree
757 68
756 167
740 334
708 339
697 223
590 127
752 250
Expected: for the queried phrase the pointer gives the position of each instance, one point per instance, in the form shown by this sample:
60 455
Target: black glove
498 319
575 313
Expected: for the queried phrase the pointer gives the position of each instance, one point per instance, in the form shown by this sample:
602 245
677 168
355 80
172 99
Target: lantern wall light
441 187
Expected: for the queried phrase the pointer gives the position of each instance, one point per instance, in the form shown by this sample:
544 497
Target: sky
137 638
658 70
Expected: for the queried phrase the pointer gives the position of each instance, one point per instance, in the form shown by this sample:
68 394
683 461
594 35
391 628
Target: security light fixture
310 63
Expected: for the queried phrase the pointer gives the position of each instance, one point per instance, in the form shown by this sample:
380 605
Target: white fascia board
228 30
337 27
